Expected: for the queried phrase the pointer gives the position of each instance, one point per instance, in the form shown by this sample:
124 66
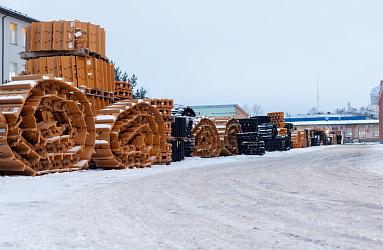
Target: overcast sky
243 51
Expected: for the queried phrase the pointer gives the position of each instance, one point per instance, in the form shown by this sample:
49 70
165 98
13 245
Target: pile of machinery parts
178 134
298 139
122 90
207 141
46 125
248 141
164 107
278 118
188 112
75 51
228 130
130 134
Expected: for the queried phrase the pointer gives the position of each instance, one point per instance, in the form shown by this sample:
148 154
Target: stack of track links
189 114
274 132
227 131
74 51
46 126
165 106
178 138
122 91
130 133
248 140
207 141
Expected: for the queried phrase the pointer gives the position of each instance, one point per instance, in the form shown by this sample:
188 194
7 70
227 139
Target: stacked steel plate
74 51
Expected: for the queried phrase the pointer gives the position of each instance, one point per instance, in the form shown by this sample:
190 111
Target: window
23 36
13 29
362 133
375 131
12 70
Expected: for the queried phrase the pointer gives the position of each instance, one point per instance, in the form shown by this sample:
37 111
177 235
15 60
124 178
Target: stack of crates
74 51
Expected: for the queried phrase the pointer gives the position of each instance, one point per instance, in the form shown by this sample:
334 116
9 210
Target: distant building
13 36
353 128
224 110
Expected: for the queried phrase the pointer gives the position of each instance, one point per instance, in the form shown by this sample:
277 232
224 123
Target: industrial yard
93 156
316 198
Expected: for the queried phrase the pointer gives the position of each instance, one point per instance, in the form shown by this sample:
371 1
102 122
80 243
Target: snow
105 126
314 198
341 122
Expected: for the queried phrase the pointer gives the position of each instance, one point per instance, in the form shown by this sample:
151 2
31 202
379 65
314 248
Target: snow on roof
339 122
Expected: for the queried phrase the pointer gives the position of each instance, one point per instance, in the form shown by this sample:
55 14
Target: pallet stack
189 114
74 51
122 90
248 140
165 106
298 138
278 118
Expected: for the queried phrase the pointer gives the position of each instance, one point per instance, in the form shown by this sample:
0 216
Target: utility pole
317 91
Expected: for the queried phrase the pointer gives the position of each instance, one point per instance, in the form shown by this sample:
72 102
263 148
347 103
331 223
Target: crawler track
228 130
207 141
46 126
129 134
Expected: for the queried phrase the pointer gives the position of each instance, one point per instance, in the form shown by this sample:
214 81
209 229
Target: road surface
315 198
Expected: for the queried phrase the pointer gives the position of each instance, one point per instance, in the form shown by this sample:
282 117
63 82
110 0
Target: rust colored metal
129 134
207 140
122 90
164 107
85 71
228 130
46 126
298 139
278 118
64 36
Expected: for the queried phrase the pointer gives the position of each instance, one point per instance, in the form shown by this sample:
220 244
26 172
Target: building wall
11 51
352 132
224 111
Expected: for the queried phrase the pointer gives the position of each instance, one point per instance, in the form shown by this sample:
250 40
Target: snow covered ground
315 198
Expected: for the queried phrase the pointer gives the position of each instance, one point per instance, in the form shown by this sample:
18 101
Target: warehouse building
352 128
13 36
222 111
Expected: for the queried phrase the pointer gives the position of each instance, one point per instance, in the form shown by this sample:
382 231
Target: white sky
243 51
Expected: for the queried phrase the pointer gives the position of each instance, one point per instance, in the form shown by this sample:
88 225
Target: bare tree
254 110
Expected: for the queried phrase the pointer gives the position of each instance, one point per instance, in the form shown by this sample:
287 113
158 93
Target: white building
12 40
